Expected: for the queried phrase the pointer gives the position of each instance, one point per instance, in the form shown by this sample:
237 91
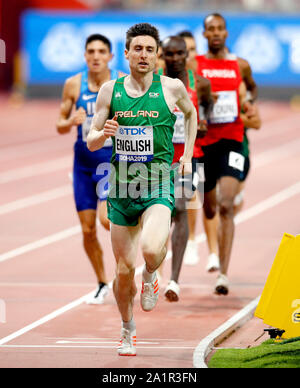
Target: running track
44 273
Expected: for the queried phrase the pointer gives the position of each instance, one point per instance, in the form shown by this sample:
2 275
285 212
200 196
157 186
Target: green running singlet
141 172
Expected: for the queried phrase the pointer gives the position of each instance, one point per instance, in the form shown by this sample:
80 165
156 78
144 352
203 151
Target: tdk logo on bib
133 131
134 144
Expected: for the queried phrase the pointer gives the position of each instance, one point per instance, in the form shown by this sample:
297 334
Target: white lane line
243 216
95 346
268 203
66 162
259 160
36 199
205 346
66 233
278 153
61 311
36 169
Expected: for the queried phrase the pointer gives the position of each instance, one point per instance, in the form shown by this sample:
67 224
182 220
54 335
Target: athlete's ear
126 53
111 56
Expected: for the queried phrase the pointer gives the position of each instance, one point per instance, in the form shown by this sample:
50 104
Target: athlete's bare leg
156 221
192 215
179 237
91 244
238 205
211 230
228 187
125 246
103 215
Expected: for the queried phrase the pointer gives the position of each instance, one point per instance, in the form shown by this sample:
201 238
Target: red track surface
41 278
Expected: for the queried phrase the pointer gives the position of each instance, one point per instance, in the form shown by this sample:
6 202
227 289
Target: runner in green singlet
136 111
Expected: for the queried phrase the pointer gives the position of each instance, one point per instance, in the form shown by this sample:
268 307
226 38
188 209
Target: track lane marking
245 215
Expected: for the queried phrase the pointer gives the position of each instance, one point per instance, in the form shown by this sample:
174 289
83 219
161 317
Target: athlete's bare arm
70 94
246 73
176 94
206 104
249 110
102 128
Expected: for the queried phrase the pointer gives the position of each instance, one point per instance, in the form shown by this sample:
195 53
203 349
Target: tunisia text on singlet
225 79
143 142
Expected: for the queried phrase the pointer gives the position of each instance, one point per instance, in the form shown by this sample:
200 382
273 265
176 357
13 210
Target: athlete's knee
226 207
89 232
210 210
151 250
125 270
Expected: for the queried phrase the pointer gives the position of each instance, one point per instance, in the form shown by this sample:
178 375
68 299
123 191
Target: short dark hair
215 14
103 39
185 34
142 29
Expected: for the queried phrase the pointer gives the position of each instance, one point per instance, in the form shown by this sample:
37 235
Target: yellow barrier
279 304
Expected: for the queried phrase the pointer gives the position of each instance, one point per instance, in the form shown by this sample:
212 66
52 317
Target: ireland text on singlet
143 143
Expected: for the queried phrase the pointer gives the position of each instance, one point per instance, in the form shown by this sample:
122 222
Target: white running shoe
98 298
213 263
149 294
191 253
127 345
222 285
172 291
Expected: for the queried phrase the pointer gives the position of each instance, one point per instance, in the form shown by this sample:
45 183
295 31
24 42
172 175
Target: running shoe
191 253
149 294
213 263
127 345
222 285
172 291
101 293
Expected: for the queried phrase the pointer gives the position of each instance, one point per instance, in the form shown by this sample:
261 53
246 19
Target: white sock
130 325
148 276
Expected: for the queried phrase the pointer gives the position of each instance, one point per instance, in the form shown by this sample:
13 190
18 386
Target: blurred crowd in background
198 5
12 11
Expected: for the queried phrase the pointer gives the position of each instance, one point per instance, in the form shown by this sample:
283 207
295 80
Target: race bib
225 109
236 160
134 144
86 125
178 135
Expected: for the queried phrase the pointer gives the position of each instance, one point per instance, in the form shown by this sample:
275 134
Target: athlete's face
142 54
160 62
97 56
175 54
191 48
215 32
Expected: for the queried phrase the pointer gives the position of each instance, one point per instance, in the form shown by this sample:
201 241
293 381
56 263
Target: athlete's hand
110 127
202 129
79 116
249 109
185 166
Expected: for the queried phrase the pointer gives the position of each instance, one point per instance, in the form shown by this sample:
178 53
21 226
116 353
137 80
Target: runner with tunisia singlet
223 157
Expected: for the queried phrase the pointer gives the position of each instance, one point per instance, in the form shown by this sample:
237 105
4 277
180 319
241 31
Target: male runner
136 111
223 161
81 91
191 46
211 226
175 54
191 256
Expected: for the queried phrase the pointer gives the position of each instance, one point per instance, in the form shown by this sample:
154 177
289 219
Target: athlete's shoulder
107 88
173 83
74 80
72 86
243 63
